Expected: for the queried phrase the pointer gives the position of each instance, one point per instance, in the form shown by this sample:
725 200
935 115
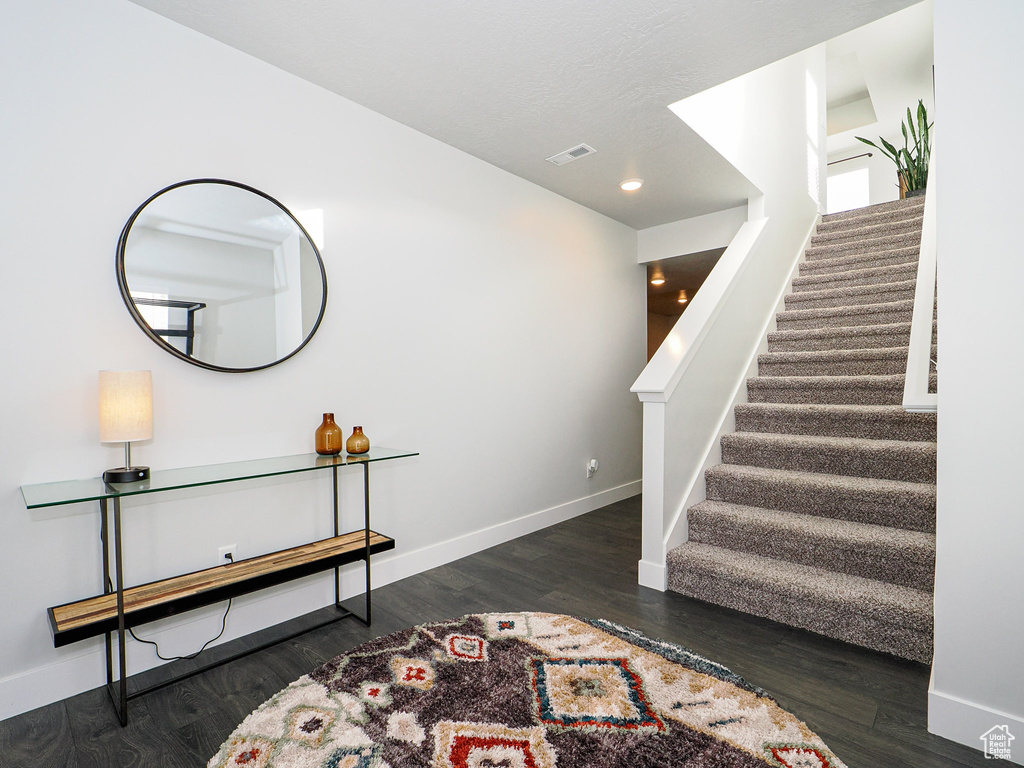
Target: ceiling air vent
569 155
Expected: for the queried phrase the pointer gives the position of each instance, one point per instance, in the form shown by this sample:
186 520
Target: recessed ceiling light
631 185
682 297
658 279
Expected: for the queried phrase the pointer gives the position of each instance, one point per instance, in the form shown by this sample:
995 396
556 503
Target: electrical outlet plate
223 552
591 467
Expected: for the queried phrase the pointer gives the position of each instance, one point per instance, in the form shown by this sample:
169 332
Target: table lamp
126 414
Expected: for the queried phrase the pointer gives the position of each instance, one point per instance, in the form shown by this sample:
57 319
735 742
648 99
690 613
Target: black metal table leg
366 531
106 587
337 532
120 699
366 617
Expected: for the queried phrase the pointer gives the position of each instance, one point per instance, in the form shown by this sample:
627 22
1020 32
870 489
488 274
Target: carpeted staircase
822 514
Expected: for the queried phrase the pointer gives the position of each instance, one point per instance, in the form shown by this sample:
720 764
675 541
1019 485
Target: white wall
978 672
882 181
477 318
701 233
770 124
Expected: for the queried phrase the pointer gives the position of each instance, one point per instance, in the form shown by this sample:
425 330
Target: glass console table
120 608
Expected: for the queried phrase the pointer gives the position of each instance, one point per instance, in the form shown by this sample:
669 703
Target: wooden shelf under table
147 602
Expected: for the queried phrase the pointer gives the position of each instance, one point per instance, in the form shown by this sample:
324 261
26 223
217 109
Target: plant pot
904 192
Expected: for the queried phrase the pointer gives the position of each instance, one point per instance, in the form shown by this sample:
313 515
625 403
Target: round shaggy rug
521 690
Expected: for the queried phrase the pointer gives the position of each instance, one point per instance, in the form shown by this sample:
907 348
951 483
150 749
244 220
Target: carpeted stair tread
896 556
869 276
838 390
890 242
827 265
868 231
828 225
887 422
874 614
836 362
854 295
904 207
910 461
893 503
883 313
855 337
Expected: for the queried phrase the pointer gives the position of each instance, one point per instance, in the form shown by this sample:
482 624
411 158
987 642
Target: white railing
661 376
711 353
916 396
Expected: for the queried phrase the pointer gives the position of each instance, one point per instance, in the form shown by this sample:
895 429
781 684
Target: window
848 190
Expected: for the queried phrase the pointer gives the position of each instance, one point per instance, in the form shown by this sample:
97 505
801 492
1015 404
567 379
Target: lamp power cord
223 627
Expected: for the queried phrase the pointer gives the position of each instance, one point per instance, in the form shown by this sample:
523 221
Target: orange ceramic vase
328 437
358 443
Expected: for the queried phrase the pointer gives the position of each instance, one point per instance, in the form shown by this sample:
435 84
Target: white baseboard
83 669
966 722
653 575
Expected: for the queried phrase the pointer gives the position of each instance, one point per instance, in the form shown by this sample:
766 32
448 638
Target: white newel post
653 571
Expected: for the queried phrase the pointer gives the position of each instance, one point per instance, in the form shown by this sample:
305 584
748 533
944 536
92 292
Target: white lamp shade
126 406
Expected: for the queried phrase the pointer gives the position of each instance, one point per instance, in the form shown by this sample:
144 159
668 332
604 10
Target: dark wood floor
868 707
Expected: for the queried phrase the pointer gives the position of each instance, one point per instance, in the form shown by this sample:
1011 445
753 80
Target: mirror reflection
221 275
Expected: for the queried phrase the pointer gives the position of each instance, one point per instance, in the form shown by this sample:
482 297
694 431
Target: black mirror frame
122 280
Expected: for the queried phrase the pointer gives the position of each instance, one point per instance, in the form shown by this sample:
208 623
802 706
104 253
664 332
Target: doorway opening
671 286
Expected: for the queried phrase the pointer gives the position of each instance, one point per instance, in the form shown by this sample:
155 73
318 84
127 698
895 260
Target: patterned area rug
521 690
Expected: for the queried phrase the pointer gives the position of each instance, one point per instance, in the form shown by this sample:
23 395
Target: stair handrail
665 370
683 423
916 397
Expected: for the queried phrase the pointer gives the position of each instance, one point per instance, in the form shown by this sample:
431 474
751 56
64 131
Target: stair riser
852 297
912 567
836 222
877 367
855 278
862 247
910 463
811 392
901 221
913 510
833 339
842 622
839 339
796 320
876 214
868 231
837 362
903 426
862 261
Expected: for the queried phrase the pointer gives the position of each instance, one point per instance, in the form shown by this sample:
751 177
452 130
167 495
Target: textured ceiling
514 83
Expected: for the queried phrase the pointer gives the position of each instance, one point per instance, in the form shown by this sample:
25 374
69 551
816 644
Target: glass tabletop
94 489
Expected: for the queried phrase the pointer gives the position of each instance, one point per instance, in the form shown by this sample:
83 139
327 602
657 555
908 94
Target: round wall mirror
221 275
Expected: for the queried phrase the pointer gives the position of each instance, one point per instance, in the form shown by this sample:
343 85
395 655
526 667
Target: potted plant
911 161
